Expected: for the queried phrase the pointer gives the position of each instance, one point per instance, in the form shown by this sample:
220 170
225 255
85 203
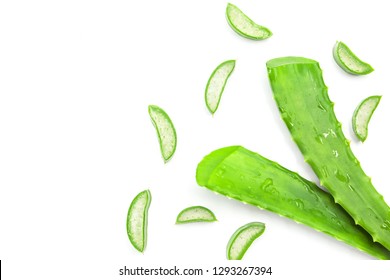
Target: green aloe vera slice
195 214
238 173
362 115
302 98
137 220
216 84
244 26
165 131
242 239
348 61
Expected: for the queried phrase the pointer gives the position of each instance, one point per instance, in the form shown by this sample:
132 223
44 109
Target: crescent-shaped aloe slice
195 214
244 26
246 176
165 131
348 61
302 98
137 220
216 84
242 239
362 115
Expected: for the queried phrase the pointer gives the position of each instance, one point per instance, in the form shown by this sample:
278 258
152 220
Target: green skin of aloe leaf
302 98
246 176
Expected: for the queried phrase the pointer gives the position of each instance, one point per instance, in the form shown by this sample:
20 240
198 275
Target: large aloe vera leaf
303 102
246 176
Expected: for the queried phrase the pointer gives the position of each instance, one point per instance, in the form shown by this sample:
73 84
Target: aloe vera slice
238 173
137 220
244 26
242 239
348 61
362 115
303 101
195 214
216 84
165 131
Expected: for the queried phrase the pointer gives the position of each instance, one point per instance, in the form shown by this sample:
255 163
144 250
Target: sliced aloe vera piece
242 239
137 220
244 26
216 84
348 61
195 214
362 115
165 131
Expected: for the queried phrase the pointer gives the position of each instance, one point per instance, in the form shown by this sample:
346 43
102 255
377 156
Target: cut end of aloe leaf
165 131
282 61
348 61
210 162
244 26
362 115
195 214
216 84
137 220
242 239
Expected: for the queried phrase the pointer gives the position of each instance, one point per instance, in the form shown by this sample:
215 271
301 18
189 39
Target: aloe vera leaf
244 26
362 115
305 107
240 174
216 84
137 220
348 61
165 129
195 214
242 239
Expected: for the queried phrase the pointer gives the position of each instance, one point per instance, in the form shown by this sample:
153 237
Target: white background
77 143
